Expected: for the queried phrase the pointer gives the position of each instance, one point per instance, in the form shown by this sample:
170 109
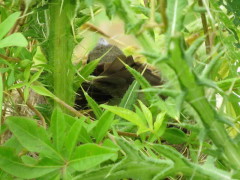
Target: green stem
211 120
61 44
195 93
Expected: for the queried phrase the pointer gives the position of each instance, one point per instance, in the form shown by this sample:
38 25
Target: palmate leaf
128 169
13 165
31 136
84 136
72 137
134 166
57 127
89 155
103 125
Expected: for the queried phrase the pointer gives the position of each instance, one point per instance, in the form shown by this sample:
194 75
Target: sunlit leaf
158 124
148 115
31 136
125 114
12 164
57 127
8 23
35 76
89 155
103 125
16 39
70 141
42 90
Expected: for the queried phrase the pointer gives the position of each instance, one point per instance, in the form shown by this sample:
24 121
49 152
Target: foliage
187 128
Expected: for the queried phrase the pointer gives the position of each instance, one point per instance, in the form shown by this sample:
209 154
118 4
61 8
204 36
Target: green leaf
147 114
142 81
11 78
19 85
175 11
26 73
193 48
87 70
8 23
31 136
3 70
12 165
126 114
71 138
42 91
130 96
90 155
227 83
36 76
55 175
39 57
26 93
16 39
174 136
28 160
103 125
93 104
130 150
181 164
158 124
84 137
15 144
57 128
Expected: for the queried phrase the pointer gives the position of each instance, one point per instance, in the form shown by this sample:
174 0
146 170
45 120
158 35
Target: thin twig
11 59
29 104
128 134
163 14
94 28
68 107
205 28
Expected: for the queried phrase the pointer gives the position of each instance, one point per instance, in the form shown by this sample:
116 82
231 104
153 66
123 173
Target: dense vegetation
186 128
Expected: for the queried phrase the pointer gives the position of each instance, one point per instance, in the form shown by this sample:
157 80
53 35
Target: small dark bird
113 78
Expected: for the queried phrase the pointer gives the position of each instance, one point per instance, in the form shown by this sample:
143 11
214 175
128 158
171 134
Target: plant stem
29 104
11 59
60 49
211 120
205 29
163 14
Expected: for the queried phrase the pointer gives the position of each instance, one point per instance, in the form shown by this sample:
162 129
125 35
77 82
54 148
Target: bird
112 78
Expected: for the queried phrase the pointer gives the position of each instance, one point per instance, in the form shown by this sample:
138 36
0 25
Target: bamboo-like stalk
61 44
